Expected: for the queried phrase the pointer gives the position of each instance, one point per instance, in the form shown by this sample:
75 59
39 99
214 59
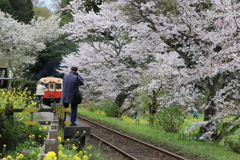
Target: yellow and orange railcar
53 91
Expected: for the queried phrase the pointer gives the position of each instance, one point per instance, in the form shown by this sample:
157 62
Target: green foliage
19 9
162 7
30 144
89 5
92 5
111 109
41 12
167 6
5 6
51 57
11 134
233 144
151 119
31 85
93 107
22 10
33 155
66 15
40 134
170 119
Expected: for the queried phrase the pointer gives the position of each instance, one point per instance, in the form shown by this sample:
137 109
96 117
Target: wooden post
51 145
31 119
54 126
53 134
60 110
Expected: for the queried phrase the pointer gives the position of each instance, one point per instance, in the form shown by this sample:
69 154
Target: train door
49 93
52 89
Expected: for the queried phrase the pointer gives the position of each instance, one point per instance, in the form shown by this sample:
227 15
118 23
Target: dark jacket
71 82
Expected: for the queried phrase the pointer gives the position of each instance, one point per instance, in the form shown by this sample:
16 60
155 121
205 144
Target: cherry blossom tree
206 36
112 53
20 43
190 48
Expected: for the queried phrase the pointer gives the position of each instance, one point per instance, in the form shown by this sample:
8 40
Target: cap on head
74 69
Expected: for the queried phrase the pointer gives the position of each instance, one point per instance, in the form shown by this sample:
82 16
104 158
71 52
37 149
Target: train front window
58 86
51 86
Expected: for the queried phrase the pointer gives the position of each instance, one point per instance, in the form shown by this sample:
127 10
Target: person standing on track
40 93
71 82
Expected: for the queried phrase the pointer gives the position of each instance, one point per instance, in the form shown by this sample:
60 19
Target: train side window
51 86
58 86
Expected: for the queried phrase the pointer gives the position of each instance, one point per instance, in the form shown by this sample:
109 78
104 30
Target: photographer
40 93
71 82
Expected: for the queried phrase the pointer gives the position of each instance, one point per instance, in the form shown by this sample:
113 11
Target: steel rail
114 147
172 155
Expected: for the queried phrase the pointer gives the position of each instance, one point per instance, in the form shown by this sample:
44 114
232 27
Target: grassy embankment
185 146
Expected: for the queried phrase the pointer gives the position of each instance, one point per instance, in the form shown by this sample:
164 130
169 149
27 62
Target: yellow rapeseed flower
20 156
74 148
9 157
76 158
60 139
89 147
50 156
5 145
85 157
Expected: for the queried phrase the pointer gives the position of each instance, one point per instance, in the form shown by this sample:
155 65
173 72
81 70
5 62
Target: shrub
92 107
151 119
170 119
233 144
31 85
110 108
11 134
39 134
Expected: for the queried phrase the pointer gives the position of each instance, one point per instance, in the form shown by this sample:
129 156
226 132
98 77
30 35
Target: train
53 91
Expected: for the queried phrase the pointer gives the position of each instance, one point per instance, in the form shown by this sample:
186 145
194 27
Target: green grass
185 146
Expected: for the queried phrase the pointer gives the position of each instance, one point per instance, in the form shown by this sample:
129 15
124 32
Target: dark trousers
73 111
39 100
195 116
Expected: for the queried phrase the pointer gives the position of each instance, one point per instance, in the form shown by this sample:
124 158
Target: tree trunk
120 99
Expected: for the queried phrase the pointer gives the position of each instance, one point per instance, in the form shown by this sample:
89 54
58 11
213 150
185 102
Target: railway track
129 147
